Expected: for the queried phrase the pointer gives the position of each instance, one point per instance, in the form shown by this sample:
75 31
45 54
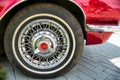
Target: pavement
98 62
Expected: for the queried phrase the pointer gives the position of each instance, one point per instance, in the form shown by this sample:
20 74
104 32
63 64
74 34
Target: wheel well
73 8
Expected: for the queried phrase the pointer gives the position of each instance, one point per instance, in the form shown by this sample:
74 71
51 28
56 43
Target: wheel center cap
43 46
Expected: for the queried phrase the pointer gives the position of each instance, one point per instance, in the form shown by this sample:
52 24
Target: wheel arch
71 6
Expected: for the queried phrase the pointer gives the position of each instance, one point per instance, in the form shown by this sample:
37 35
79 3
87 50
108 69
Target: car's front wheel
43 40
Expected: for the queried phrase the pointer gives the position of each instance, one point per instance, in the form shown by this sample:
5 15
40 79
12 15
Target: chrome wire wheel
44 43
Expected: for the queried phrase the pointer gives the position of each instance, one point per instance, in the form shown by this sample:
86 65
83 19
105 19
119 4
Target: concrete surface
98 62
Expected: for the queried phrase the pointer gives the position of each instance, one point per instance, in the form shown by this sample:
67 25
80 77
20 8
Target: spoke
63 44
47 62
60 36
27 52
22 43
63 36
49 24
31 27
57 30
55 58
36 51
60 56
32 57
37 25
40 26
25 35
39 60
45 27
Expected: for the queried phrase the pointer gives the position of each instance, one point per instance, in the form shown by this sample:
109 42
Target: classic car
45 38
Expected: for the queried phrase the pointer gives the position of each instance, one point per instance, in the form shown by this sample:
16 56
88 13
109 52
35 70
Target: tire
2 44
43 40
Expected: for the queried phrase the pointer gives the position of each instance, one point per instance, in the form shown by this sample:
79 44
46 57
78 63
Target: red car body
100 12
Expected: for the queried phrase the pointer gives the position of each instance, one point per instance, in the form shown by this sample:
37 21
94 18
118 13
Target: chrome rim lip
40 72
43 33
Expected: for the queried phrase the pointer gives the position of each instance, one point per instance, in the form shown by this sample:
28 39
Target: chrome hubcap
44 43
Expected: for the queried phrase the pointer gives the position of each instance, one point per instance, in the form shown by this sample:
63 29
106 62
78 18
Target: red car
45 38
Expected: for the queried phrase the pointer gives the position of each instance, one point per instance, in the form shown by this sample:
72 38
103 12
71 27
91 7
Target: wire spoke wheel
44 43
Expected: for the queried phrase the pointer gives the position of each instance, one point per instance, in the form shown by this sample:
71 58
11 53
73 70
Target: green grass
2 73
